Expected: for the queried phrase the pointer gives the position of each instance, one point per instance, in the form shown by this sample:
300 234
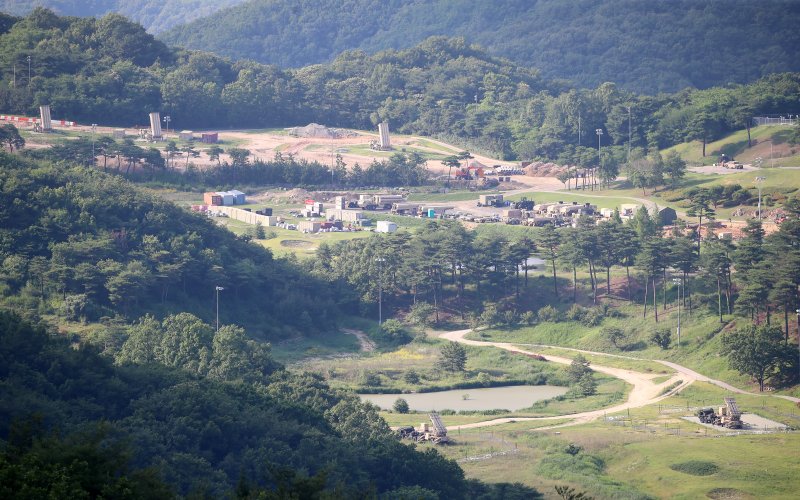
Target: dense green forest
111 71
641 45
156 423
154 15
171 406
90 246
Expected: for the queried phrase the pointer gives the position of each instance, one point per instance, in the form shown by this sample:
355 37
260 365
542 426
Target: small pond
511 398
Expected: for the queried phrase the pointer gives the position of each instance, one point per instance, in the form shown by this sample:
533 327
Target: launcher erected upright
383 130
155 126
46 122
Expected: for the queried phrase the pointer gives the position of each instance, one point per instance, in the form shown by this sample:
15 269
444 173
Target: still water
511 398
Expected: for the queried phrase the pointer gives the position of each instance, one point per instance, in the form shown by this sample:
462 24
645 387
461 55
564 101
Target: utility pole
94 129
380 261
579 126
218 289
677 281
629 135
759 180
599 132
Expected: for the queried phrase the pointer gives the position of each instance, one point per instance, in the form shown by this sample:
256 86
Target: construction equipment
435 433
727 416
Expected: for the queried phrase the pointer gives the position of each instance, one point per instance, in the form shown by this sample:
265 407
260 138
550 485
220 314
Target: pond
511 398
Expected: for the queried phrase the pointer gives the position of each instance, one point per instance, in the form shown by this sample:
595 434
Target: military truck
436 433
727 416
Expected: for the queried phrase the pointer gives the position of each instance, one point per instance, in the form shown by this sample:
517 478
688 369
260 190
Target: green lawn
735 145
608 198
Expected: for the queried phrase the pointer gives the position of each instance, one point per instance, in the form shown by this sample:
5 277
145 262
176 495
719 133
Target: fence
789 120
25 119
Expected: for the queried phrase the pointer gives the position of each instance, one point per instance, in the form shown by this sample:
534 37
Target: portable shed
385 226
186 135
227 198
209 137
212 199
239 197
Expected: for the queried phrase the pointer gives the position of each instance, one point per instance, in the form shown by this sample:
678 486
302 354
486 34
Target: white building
385 226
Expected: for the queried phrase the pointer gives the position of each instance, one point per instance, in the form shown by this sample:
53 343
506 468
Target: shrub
549 314
662 338
576 312
400 406
528 317
411 377
372 380
696 467
593 317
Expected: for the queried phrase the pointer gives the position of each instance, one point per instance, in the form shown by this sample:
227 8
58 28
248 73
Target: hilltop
631 42
155 15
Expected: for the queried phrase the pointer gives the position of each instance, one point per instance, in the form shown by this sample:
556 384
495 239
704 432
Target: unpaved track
644 392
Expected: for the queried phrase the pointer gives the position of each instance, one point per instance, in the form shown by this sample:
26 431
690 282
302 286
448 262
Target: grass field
608 198
735 145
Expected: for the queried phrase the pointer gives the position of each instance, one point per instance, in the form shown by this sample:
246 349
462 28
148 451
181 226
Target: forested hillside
89 246
155 15
111 71
641 45
73 424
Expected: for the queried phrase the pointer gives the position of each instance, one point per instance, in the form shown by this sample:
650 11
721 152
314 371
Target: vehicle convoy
437 433
727 416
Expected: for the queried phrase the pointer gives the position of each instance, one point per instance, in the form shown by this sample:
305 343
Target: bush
400 406
549 314
593 317
662 338
576 313
411 377
528 317
696 467
372 380
392 331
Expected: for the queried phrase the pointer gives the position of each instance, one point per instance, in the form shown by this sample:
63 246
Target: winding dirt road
644 392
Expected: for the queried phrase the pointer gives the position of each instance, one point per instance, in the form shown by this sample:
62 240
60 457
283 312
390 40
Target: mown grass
639 365
735 145
328 344
700 339
602 199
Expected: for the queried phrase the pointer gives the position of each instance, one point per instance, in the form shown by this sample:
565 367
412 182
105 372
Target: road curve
644 392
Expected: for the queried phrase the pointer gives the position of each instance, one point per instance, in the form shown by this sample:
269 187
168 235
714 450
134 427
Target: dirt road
644 392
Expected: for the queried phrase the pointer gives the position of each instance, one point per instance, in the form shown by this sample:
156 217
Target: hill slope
155 15
643 46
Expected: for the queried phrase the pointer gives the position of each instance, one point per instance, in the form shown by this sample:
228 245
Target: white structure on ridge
155 125
46 122
383 130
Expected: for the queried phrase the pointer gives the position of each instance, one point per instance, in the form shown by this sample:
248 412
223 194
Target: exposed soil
367 345
296 243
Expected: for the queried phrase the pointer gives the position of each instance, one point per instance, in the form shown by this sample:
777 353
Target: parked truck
727 416
435 432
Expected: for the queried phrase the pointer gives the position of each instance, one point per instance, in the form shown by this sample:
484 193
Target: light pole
629 135
167 119
380 261
29 72
599 133
798 337
94 129
218 289
677 281
759 180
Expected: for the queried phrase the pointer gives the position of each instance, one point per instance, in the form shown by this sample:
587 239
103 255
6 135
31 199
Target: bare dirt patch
367 345
296 244
728 494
